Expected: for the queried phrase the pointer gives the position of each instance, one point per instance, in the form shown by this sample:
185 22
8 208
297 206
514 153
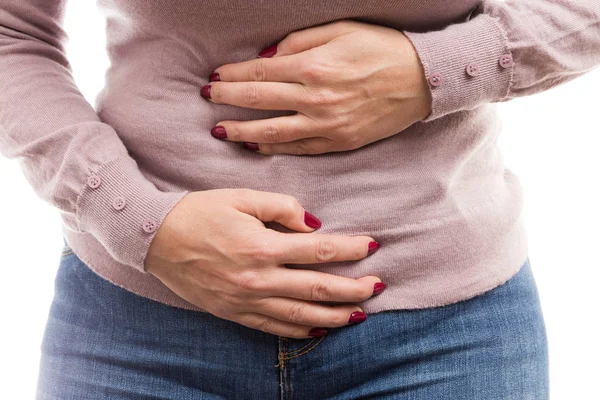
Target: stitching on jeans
283 343
302 348
280 353
66 253
307 351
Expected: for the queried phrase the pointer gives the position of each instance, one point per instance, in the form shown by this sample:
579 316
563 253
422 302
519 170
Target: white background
550 140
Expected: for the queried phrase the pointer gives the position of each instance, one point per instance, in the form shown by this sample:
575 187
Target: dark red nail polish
205 92
268 52
250 145
373 247
317 332
378 288
311 220
215 76
357 316
219 132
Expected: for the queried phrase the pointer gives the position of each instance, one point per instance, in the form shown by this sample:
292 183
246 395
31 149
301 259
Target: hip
102 341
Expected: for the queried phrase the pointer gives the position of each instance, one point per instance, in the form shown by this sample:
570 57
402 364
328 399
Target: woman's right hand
214 251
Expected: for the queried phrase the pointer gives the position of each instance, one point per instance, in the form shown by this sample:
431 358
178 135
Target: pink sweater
436 196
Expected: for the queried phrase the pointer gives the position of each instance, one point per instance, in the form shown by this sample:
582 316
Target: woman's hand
213 251
352 83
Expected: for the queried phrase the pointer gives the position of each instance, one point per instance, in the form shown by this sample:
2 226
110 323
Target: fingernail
205 92
268 52
219 132
357 316
373 247
311 220
317 332
214 77
250 146
378 288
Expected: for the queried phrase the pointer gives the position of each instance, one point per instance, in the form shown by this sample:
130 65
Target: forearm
62 145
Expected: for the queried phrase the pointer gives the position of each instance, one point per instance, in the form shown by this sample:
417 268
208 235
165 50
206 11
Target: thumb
278 207
305 39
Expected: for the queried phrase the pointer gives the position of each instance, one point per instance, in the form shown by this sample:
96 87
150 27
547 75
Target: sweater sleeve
508 49
72 160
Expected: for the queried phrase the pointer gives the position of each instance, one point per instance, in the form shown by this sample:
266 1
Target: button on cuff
472 69
123 233
119 203
149 225
450 51
435 79
506 60
94 181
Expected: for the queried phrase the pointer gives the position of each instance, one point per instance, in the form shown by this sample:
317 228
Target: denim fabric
104 342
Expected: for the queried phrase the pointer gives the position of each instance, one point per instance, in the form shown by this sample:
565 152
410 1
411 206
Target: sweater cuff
123 210
466 64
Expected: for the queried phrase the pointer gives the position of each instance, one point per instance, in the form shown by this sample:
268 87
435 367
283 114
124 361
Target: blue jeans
104 342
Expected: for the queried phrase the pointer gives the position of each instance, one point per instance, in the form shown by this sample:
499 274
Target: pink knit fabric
436 196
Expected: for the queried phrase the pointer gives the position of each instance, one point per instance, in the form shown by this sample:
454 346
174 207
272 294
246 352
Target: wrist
423 98
424 101
123 210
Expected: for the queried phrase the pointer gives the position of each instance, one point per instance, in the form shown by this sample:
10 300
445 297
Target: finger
281 69
302 248
273 130
305 312
314 36
304 284
308 146
278 207
274 326
259 95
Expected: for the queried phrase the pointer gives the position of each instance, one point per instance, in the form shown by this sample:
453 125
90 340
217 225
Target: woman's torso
436 195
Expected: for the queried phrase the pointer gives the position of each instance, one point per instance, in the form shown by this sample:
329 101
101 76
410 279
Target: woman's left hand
351 84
